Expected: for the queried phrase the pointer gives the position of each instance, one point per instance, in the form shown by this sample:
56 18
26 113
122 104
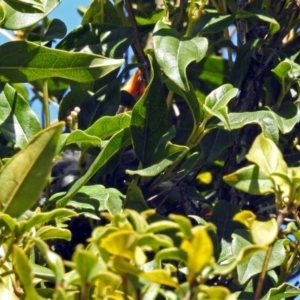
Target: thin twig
137 45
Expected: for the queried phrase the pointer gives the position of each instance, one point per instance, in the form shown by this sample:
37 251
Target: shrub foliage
172 170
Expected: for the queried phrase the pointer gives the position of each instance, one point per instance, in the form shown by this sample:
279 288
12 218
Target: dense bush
173 169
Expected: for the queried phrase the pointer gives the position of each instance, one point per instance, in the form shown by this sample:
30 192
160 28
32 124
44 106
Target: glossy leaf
56 29
103 39
107 126
23 61
135 199
78 137
53 260
40 217
267 156
213 22
174 54
191 100
87 265
199 249
284 291
53 233
18 122
250 179
161 226
264 119
25 274
264 232
23 15
172 154
253 265
24 176
220 97
121 243
159 276
148 121
107 279
109 154
222 215
216 142
171 253
262 15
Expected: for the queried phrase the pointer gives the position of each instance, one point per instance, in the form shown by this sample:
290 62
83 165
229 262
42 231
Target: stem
263 273
137 45
280 99
193 16
46 103
169 99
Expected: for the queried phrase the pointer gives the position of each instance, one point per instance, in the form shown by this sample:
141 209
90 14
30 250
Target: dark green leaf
148 121
18 122
22 61
22 16
174 54
24 176
104 162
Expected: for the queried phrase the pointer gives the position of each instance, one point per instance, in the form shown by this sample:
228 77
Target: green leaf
11 222
25 274
262 15
212 70
287 116
86 264
184 223
24 176
200 252
215 142
78 137
251 179
264 232
107 126
104 39
252 266
43 272
53 260
190 97
174 54
121 243
35 5
22 16
172 154
103 163
148 121
114 202
22 61
213 22
56 29
283 291
159 276
220 97
260 153
161 226
154 241
39 217
171 253
222 216
18 122
98 13
135 199
263 118
241 64
53 233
